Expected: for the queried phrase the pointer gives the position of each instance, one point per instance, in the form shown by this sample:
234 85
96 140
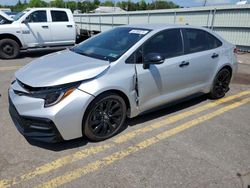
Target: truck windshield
19 15
112 44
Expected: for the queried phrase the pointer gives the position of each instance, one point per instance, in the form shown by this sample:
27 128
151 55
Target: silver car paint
60 68
70 125
158 85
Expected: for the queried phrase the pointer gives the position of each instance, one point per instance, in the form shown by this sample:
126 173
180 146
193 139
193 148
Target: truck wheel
9 49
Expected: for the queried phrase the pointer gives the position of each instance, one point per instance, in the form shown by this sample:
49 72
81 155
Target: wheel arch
228 67
225 66
11 36
111 91
117 92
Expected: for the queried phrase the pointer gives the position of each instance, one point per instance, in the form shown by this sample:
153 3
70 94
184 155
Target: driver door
158 84
36 29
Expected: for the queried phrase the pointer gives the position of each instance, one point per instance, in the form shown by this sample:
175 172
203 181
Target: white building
104 9
241 3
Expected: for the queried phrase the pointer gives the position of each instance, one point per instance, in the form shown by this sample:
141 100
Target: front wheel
220 84
104 117
9 49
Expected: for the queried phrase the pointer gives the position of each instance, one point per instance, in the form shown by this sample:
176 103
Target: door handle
45 26
215 55
69 25
184 63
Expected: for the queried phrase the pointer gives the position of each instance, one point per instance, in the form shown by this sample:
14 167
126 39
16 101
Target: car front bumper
41 129
62 121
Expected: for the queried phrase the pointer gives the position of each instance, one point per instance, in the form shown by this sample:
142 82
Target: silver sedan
93 87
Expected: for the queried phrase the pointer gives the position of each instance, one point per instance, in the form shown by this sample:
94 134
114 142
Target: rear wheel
221 84
9 49
104 117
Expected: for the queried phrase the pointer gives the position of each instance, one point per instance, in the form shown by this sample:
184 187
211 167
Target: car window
38 16
198 40
167 43
20 14
213 42
59 16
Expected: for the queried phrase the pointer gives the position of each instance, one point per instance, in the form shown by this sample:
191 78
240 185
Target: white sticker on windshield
113 55
139 32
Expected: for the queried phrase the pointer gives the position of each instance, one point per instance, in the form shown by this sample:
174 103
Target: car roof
162 26
46 8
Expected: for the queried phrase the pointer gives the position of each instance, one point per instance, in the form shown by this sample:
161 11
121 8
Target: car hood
60 68
6 16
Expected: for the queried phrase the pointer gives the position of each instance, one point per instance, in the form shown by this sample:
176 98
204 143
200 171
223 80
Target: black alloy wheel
105 116
9 49
221 84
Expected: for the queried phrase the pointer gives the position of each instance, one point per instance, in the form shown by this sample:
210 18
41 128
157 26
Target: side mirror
26 20
152 58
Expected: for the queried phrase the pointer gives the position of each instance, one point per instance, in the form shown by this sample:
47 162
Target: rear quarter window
213 42
59 16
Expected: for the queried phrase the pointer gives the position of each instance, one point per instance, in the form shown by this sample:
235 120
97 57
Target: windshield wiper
78 52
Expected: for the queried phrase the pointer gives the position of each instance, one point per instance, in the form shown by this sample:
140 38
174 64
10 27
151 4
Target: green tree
19 3
19 6
97 3
37 3
108 3
72 5
143 5
57 3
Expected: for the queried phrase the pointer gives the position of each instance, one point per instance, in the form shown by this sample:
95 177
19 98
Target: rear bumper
41 129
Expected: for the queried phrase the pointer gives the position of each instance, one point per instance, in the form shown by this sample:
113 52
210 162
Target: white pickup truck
37 28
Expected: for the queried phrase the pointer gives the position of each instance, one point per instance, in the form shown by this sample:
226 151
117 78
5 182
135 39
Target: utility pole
205 2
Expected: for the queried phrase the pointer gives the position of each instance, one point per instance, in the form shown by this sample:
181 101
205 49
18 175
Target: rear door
62 27
202 53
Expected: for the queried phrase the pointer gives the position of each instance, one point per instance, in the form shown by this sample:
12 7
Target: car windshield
19 15
112 44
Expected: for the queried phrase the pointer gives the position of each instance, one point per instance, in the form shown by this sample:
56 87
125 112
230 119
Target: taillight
236 50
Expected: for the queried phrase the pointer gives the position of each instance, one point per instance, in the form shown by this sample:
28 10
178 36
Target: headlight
55 97
51 95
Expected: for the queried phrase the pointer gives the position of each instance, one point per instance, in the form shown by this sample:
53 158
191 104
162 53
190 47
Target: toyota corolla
93 87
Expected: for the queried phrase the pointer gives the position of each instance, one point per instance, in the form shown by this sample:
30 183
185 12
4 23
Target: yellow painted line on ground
54 165
177 117
120 139
10 68
77 173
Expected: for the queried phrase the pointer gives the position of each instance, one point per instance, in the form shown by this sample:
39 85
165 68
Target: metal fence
230 21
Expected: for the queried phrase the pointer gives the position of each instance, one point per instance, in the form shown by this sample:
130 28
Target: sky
183 3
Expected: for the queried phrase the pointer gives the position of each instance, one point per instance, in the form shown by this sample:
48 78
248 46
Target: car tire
104 117
9 49
220 84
